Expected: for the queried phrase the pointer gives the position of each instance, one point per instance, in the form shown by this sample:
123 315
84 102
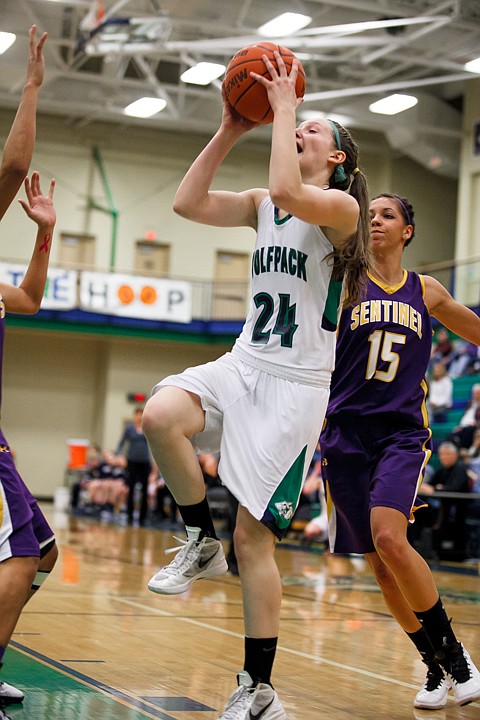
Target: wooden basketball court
95 644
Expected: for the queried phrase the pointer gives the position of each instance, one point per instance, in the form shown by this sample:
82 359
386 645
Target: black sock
259 657
198 515
436 624
424 646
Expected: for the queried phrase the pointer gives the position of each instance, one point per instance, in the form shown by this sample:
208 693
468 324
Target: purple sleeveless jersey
376 442
383 351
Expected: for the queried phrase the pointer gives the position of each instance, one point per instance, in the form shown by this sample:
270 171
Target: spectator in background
462 359
311 489
161 500
440 391
449 527
317 528
109 489
80 487
462 435
209 466
472 462
442 348
473 452
133 444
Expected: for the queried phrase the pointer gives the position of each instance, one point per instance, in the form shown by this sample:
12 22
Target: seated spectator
80 487
209 465
313 486
317 529
108 490
462 435
449 521
473 452
462 359
311 489
442 348
161 501
472 461
440 392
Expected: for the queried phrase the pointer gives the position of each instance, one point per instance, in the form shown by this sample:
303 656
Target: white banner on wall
136 297
60 290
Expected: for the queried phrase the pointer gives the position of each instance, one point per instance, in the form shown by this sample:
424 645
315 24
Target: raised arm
194 198
27 297
301 191
455 316
18 149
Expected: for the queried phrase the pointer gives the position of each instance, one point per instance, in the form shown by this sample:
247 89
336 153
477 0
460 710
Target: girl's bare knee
156 418
389 546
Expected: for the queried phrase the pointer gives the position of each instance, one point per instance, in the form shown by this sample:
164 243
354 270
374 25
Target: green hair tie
340 175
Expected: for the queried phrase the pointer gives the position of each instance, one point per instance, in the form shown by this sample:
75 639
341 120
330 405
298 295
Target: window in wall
230 288
76 251
152 258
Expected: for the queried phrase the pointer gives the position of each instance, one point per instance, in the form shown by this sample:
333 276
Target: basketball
248 98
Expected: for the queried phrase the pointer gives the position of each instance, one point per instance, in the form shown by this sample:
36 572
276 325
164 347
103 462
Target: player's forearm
284 173
33 284
192 197
18 149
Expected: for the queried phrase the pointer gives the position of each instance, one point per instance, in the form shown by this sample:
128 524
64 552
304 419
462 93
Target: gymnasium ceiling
144 46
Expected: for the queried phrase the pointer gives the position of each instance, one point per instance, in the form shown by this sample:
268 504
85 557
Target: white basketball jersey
293 312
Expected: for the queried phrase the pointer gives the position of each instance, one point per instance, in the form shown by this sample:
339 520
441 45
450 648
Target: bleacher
462 393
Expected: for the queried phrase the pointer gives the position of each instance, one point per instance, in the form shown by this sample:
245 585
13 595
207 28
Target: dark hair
353 259
406 209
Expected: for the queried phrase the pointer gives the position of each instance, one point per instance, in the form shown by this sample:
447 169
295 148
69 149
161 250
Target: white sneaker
10 695
434 694
250 702
266 704
197 559
463 674
2 715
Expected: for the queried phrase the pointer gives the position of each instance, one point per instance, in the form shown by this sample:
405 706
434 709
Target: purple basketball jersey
383 351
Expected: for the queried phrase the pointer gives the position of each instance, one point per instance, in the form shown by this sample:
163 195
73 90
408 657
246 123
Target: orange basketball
245 94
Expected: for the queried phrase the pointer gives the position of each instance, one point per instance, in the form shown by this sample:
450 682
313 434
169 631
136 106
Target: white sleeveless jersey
294 309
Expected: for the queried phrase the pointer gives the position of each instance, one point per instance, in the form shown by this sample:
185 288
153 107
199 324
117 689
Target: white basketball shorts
266 429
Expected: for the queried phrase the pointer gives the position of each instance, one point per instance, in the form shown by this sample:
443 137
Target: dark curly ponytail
353 259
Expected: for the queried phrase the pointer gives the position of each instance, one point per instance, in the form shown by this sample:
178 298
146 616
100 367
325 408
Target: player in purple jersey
376 443
27 545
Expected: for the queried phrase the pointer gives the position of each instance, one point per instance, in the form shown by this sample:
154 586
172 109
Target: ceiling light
285 24
393 104
473 66
145 107
6 39
306 115
202 73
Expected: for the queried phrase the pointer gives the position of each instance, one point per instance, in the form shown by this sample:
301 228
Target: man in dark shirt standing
139 464
450 528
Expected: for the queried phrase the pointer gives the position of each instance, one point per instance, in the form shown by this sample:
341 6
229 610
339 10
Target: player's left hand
39 207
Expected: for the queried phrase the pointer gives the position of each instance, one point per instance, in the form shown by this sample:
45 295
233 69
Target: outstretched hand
36 63
40 207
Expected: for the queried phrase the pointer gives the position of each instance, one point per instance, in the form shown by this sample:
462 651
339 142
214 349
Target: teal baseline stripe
63 696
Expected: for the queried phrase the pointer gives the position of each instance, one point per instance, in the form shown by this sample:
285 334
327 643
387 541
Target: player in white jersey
263 404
